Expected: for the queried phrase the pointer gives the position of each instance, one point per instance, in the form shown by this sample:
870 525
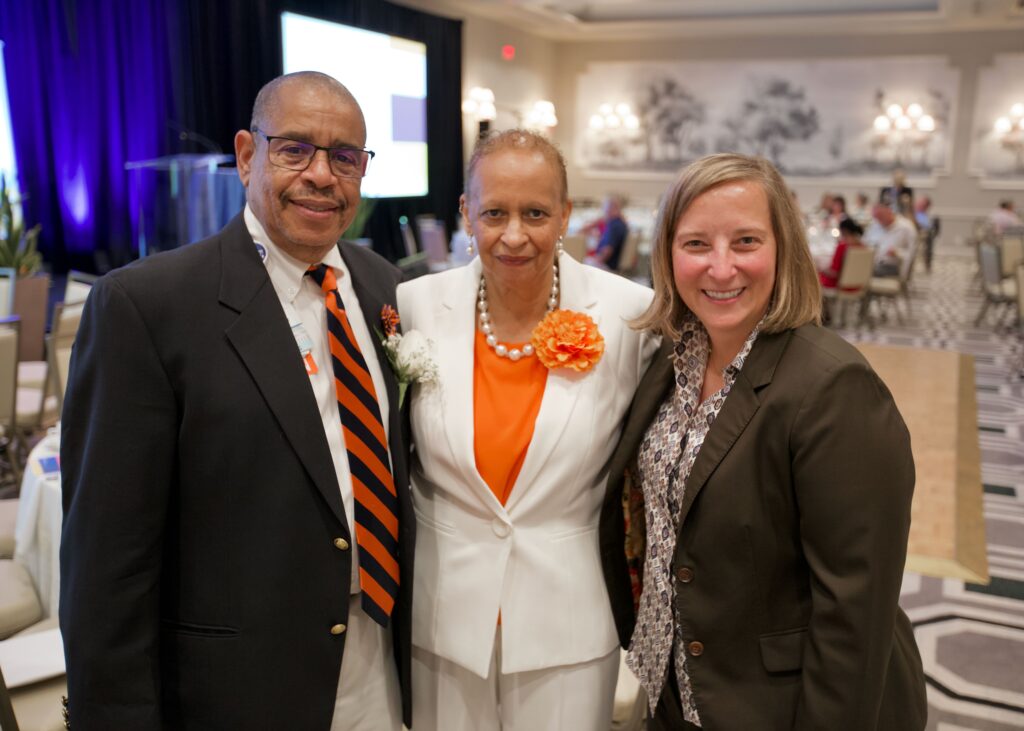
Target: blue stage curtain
90 88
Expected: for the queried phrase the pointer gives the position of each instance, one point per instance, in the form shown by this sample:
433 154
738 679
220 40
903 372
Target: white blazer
536 559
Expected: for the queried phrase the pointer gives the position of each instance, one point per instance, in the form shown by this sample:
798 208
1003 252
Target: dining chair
575 245
1019 370
1011 252
78 286
408 238
997 289
10 330
434 243
630 252
854 278
20 607
8 276
892 289
63 330
38 706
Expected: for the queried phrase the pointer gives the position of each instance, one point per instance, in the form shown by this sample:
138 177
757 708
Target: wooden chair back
10 330
858 263
630 251
575 245
1011 249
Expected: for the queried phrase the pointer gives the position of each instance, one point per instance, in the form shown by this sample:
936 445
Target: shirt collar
693 342
284 270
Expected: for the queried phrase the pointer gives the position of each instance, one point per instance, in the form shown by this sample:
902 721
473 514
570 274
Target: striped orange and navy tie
373 487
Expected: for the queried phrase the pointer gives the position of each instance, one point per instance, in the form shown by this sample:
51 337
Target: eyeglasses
346 162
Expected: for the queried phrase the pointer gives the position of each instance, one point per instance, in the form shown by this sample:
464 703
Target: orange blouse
506 400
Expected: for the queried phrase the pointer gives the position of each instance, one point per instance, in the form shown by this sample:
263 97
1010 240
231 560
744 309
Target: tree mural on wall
669 116
811 120
776 114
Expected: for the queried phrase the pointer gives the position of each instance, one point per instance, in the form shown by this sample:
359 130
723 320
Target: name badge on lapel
305 344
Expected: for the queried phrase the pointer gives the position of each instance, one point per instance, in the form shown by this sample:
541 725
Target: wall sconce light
911 120
619 116
904 130
1010 131
480 104
542 116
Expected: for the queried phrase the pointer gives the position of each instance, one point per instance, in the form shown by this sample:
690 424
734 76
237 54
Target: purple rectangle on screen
408 118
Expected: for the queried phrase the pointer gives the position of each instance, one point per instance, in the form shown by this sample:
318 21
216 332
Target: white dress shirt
303 302
892 244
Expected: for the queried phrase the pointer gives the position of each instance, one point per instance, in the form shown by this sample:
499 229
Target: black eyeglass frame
316 148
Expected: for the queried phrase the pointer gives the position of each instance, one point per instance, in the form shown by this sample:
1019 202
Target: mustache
315 195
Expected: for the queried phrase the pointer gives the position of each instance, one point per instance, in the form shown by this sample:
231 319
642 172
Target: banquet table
38 527
935 392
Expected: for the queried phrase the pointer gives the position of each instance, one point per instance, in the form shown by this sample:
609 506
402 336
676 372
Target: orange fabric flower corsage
567 339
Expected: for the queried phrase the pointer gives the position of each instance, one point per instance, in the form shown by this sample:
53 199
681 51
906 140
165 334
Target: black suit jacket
199 573
790 553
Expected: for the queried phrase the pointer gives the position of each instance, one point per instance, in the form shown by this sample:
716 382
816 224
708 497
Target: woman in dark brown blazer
755 525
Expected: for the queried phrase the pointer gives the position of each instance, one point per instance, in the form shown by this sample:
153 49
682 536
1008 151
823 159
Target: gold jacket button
338 629
341 544
685 574
696 648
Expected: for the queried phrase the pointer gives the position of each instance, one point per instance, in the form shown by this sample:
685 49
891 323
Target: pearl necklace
503 351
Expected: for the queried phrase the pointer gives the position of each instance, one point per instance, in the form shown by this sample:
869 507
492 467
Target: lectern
183 198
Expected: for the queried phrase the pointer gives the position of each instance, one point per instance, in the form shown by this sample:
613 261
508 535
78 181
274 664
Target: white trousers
448 697
369 698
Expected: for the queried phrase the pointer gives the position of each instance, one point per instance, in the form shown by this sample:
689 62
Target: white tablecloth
37 531
822 242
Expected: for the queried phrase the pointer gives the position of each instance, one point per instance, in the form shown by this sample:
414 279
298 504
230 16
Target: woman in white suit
537 364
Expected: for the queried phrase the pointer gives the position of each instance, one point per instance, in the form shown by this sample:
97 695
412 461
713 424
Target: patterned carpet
972 637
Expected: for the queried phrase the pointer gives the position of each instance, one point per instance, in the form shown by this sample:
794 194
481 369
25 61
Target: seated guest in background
849 237
771 551
511 625
861 212
217 484
906 208
820 214
612 232
1003 217
921 215
892 238
838 212
889 195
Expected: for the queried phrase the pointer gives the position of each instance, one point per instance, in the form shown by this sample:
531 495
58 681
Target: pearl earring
471 248
559 248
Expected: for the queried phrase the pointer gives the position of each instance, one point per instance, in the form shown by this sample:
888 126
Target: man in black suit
215 487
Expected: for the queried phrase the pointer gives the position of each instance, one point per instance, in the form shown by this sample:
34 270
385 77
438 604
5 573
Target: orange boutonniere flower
567 339
390 320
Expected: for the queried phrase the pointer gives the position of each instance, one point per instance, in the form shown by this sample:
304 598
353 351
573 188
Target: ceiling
593 20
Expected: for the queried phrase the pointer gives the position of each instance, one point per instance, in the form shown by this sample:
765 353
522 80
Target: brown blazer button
696 648
338 629
685 574
341 544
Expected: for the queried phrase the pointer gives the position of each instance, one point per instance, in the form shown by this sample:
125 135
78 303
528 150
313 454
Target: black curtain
233 47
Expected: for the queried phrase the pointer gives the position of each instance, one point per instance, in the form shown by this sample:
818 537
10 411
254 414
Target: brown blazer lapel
739 408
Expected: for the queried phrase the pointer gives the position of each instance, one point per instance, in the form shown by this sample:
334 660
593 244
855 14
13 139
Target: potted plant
354 232
31 290
17 246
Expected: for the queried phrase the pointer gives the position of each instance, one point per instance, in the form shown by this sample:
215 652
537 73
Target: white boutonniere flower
409 353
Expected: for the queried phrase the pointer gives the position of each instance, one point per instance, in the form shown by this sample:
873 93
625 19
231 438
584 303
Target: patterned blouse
666 455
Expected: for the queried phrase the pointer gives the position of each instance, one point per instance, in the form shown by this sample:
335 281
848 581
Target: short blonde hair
518 139
796 293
